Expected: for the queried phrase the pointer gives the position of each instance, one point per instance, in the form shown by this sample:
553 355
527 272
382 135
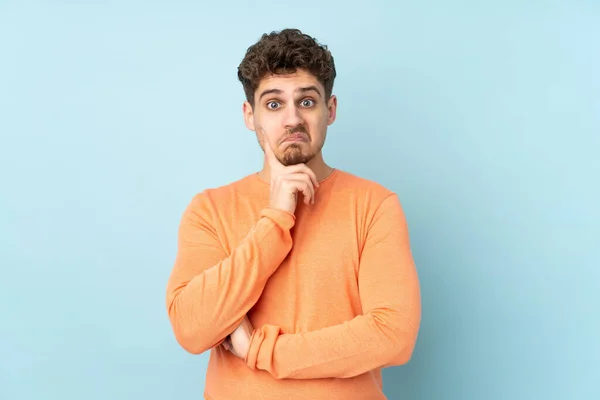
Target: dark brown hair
282 53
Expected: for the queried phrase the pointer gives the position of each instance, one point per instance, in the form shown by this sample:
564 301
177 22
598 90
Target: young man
298 278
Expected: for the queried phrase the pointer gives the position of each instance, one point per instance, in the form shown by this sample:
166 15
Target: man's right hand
288 181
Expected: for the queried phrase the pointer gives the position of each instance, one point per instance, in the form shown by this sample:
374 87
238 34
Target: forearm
208 306
377 339
384 335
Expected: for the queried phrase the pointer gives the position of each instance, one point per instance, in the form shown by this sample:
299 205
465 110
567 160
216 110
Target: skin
290 118
284 105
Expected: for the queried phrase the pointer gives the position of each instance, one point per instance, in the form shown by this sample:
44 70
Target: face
292 113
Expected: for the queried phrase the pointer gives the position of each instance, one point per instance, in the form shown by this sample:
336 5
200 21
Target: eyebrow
269 91
301 90
309 88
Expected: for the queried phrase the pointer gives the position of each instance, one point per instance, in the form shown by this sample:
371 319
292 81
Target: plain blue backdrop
483 116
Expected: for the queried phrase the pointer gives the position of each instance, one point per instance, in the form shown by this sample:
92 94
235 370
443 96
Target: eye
273 105
307 103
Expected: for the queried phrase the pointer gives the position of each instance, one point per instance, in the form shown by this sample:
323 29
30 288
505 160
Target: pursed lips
296 137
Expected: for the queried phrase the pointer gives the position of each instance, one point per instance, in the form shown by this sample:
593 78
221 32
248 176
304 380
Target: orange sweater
331 291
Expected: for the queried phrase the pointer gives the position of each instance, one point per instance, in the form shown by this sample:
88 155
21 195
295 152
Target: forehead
288 83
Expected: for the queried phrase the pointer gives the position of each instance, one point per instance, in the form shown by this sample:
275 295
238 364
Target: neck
316 164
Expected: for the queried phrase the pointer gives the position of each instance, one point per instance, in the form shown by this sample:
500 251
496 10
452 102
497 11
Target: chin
294 156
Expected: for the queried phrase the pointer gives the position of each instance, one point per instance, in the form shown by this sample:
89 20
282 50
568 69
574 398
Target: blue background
483 116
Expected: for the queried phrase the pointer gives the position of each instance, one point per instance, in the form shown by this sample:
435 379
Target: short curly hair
285 52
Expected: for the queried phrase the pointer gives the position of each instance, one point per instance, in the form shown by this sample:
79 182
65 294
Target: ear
332 108
248 115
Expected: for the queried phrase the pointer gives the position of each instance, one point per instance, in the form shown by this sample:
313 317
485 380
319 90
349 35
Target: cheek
266 123
317 122
264 133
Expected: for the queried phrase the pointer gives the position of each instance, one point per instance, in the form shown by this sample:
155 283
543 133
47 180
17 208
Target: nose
292 117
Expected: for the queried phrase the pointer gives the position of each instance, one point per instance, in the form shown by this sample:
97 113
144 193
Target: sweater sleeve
384 335
210 292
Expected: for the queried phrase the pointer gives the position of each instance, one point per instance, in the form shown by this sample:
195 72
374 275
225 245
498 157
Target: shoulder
377 208
371 192
211 199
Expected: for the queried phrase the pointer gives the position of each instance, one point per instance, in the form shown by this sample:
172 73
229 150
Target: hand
288 182
238 342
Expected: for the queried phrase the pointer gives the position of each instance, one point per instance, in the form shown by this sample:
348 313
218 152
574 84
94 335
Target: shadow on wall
441 337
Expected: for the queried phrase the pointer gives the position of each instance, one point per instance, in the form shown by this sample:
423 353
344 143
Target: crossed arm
210 292
384 335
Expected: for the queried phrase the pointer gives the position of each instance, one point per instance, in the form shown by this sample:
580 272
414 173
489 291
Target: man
298 278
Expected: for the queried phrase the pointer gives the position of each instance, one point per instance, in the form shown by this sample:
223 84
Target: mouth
296 137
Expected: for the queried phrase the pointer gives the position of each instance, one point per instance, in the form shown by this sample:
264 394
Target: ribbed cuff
262 345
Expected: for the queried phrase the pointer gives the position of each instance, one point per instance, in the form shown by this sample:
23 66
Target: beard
293 155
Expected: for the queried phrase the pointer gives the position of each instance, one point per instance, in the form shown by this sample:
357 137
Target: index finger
272 160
